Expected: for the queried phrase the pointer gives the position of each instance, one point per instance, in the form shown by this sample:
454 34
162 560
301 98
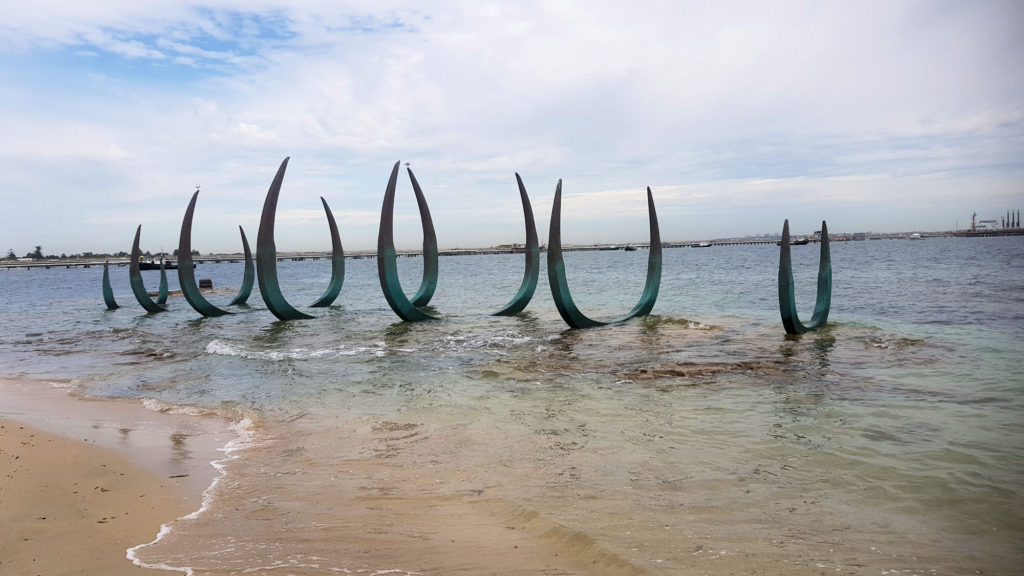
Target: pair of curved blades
787 299
186 269
387 260
387 265
266 257
186 275
560 287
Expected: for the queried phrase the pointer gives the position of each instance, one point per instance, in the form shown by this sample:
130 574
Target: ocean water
699 440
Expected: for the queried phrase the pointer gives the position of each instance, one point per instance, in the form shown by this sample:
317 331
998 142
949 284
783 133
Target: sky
879 116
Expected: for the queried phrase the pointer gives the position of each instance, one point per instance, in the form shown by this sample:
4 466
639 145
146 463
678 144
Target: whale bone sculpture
186 269
787 299
337 263
387 264
135 279
108 293
266 255
532 251
248 276
560 287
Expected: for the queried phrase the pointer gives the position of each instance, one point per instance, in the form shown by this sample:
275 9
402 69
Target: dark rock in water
205 283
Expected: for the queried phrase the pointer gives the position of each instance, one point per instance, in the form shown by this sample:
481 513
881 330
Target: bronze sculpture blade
135 279
532 250
560 287
266 255
186 270
248 277
162 292
429 281
787 299
108 293
387 265
337 263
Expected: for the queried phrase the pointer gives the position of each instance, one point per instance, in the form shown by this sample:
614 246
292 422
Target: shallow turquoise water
891 440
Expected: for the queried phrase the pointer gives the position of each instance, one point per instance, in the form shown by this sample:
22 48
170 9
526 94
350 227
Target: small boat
915 236
795 242
630 248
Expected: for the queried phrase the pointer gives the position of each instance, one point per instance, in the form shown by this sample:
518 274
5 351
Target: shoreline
84 482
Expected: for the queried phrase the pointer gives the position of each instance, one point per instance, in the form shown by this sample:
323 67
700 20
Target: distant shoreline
516 249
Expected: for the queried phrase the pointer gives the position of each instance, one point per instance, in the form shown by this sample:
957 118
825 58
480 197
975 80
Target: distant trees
37 254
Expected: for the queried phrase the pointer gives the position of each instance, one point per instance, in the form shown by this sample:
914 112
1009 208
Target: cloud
737 114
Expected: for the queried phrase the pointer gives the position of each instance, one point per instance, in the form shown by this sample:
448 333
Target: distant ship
795 242
155 265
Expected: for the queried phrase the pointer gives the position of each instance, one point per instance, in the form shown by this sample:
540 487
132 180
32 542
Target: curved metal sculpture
266 255
532 272
429 281
135 279
248 277
162 292
108 293
337 263
560 287
387 265
787 300
186 269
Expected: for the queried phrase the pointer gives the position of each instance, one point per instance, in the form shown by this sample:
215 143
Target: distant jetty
514 249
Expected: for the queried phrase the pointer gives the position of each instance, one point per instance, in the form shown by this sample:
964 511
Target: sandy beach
82 481
70 507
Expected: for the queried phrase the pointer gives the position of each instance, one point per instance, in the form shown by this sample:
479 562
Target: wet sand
70 507
83 481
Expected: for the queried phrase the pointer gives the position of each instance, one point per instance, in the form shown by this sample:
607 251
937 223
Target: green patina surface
108 293
787 299
135 279
428 283
387 265
560 287
266 255
337 262
186 269
532 250
162 292
248 277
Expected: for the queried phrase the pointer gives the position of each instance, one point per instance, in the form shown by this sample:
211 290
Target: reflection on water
701 439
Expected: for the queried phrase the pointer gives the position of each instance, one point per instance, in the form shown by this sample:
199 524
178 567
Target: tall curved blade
387 265
428 284
162 292
108 293
532 250
560 287
787 298
337 262
186 269
135 279
653 283
248 277
266 255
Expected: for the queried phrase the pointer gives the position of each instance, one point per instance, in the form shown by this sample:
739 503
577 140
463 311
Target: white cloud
737 114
